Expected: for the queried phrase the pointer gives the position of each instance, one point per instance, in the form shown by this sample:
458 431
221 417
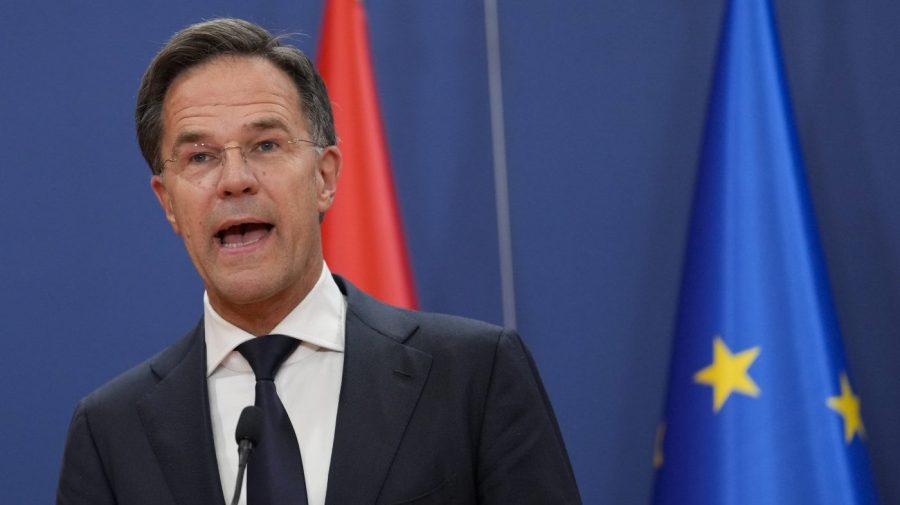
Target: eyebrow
269 123
195 137
188 137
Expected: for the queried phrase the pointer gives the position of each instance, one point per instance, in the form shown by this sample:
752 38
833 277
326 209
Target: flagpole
498 143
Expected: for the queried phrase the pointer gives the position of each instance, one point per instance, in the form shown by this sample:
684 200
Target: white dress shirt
308 383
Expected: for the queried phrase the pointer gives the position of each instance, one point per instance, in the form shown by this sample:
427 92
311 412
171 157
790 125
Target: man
385 405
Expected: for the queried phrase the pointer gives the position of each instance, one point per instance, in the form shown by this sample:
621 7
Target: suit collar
392 322
176 419
382 382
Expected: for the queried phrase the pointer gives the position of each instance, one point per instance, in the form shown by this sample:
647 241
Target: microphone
247 434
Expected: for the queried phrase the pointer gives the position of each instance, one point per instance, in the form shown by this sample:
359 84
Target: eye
200 155
267 146
199 158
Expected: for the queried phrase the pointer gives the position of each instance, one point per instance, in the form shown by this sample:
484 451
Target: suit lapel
176 418
382 381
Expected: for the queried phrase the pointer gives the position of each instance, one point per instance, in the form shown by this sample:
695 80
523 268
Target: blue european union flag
761 408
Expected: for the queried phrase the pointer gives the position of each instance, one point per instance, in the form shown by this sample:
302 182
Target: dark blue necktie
275 471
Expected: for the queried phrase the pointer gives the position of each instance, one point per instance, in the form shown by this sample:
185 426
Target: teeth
243 234
239 244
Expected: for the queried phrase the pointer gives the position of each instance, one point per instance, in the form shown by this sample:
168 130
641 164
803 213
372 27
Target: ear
328 169
158 183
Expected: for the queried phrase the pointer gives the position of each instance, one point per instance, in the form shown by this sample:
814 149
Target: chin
245 289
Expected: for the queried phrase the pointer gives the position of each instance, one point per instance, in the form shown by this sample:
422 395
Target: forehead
230 93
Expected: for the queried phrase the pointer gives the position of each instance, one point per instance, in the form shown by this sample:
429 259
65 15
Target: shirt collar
317 321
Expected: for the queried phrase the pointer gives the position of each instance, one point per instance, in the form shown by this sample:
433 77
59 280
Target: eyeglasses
197 161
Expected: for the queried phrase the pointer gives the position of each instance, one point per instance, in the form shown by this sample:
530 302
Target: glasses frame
240 149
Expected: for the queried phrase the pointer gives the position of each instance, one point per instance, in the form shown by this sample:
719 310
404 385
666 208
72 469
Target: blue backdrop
604 107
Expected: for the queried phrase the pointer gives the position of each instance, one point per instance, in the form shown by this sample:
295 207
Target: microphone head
249 426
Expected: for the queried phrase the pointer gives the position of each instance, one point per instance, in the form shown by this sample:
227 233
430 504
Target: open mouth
243 234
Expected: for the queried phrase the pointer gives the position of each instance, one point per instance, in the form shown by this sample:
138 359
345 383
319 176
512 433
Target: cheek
300 209
301 194
188 213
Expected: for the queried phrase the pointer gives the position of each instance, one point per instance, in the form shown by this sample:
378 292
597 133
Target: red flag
362 236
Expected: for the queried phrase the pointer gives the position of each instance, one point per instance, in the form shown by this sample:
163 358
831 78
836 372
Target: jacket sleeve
82 480
522 457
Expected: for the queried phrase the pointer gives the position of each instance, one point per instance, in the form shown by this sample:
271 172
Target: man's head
241 168
205 41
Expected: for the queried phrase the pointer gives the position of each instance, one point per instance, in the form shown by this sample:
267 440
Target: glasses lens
197 158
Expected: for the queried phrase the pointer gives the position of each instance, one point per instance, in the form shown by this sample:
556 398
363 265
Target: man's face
250 226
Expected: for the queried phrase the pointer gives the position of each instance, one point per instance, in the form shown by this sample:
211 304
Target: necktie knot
266 354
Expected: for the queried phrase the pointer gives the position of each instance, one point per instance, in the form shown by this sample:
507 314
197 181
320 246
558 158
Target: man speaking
361 403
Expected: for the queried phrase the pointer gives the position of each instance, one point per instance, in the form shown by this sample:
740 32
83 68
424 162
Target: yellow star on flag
847 405
728 373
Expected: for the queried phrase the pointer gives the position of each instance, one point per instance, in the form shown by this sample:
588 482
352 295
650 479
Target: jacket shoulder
416 328
126 389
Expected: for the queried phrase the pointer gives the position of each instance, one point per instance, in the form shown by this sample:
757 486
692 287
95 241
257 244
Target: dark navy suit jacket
433 409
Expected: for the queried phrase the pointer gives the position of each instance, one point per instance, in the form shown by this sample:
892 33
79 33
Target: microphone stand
243 454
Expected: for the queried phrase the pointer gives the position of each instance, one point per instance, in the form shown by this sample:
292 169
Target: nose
236 177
